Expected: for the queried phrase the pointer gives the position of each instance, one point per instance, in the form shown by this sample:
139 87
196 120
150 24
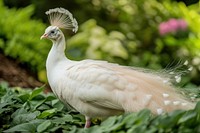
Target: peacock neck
56 54
59 48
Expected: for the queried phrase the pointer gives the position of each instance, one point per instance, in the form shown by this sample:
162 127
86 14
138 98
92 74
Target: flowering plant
176 27
174 32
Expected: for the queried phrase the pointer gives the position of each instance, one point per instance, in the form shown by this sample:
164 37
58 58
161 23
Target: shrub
33 111
133 27
20 37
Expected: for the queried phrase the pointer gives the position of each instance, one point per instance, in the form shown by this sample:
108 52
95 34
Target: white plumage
101 89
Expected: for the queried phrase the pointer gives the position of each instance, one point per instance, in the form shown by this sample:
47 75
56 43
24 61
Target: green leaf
129 120
38 103
108 123
55 128
9 96
19 117
19 112
44 107
44 126
63 119
187 116
92 130
47 113
50 97
4 104
24 97
197 108
144 115
57 104
36 92
55 101
25 127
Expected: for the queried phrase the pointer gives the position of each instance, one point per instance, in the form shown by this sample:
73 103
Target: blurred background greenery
149 34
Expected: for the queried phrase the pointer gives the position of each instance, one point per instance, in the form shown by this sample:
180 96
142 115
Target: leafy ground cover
34 111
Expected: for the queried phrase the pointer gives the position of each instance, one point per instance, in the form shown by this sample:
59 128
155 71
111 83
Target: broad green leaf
47 113
144 115
36 92
4 104
63 119
129 120
9 96
26 127
108 123
168 121
93 130
50 97
55 128
187 116
58 105
197 108
55 101
116 127
38 103
19 112
24 118
24 97
39 97
44 107
74 129
44 126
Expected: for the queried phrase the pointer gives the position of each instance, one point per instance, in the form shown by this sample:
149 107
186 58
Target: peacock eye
52 32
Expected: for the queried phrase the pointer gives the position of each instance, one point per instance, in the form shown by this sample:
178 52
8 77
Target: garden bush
23 110
20 37
133 27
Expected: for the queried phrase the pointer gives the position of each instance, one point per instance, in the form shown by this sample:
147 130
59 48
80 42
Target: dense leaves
20 37
131 30
33 111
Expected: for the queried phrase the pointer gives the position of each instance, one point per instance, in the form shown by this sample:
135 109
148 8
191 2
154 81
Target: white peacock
101 89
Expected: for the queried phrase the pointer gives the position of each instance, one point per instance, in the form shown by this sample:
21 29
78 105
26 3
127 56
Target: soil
11 71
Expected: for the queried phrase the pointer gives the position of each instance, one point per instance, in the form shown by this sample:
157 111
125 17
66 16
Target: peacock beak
44 36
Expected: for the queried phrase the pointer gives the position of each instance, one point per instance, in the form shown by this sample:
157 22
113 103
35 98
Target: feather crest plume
62 18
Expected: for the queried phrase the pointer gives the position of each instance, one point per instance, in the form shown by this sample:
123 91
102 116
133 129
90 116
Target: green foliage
33 111
20 37
133 27
97 42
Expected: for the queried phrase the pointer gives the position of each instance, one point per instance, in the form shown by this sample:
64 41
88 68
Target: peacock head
52 32
59 18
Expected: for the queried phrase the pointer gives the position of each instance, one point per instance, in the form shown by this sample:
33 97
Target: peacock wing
98 84
105 85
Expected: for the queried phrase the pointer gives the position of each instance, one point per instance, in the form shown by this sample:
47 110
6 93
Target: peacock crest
62 18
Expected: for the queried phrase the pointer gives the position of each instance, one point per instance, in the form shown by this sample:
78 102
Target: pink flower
172 26
163 28
182 24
